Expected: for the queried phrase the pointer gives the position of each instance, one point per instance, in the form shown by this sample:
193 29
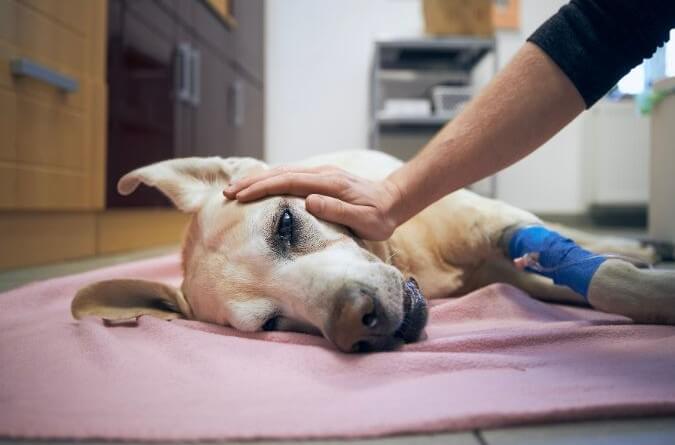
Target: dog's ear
188 181
121 300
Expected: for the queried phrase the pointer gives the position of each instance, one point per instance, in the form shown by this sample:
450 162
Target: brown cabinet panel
247 119
212 133
209 29
49 135
249 36
74 14
156 16
184 111
140 79
182 83
51 149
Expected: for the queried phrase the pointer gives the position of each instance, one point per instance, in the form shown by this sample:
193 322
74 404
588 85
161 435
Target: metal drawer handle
237 103
188 65
183 72
195 77
28 68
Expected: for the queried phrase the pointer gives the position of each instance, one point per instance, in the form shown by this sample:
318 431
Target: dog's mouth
415 313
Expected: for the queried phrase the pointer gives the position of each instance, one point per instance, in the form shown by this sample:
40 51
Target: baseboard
623 215
600 215
34 238
567 219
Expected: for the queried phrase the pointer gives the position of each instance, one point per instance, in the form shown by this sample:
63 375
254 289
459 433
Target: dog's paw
645 295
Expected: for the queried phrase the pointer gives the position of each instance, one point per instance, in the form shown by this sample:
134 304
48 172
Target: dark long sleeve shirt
596 42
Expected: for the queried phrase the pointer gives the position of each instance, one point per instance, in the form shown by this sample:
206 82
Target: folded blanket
494 357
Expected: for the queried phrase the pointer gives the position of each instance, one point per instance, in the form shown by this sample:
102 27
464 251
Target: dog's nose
358 322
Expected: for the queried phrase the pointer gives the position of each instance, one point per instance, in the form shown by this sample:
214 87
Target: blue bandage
567 263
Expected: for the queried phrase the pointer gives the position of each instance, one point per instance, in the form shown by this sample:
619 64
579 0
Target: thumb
333 210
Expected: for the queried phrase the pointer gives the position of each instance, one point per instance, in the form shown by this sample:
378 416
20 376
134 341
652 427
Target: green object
651 98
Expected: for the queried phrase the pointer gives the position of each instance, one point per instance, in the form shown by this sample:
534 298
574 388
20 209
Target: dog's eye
285 227
270 325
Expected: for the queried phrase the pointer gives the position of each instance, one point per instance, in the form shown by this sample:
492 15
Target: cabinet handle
182 72
195 77
238 103
27 68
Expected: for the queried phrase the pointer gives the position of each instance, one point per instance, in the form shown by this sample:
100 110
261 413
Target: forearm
528 102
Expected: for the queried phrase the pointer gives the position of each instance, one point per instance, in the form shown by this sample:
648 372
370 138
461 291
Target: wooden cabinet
184 81
91 89
51 149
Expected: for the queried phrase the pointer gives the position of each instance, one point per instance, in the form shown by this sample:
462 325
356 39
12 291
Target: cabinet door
249 36
213 134
140 77
210 29
183 109
52 143
246 117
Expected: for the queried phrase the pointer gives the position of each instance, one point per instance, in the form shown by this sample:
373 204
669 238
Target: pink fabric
494 357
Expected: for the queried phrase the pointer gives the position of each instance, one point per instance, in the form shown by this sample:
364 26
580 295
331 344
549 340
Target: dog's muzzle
416 313
360 323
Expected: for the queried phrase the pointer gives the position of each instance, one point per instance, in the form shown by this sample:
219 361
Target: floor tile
654 431
435 439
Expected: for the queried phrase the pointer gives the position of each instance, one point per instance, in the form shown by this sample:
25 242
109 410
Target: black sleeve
596 42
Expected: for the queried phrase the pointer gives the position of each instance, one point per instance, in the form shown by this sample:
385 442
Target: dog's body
271 265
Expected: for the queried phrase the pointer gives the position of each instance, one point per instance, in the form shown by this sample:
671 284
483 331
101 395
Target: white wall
549 180
616 150
318 56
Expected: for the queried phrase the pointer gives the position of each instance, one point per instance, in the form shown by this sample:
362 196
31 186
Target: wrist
395 207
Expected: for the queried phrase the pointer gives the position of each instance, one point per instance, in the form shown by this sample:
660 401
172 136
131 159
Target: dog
270 265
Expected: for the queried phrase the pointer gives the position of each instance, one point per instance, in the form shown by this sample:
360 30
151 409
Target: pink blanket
494 357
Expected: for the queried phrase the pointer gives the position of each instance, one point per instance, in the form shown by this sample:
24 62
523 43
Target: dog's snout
358 322
370 308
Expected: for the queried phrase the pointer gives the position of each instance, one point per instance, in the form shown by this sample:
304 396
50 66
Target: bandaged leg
608 284
554 256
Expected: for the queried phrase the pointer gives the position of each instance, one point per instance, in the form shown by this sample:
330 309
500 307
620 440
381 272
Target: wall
550 179
318 56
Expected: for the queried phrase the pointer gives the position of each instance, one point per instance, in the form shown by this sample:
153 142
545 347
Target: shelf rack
408 69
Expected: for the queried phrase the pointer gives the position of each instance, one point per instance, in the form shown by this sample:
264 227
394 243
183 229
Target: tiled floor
649 431
654 431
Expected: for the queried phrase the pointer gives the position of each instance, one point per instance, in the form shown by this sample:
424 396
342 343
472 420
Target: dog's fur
238 272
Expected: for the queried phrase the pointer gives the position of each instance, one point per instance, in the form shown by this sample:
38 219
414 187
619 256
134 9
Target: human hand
367 207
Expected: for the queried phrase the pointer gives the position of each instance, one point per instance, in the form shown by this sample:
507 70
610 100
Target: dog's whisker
391 256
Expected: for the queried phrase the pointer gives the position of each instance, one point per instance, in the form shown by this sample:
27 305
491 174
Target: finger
231 191
297 184
361 219
336 211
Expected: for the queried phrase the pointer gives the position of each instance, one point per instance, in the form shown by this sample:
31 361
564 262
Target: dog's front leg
646 296
611 285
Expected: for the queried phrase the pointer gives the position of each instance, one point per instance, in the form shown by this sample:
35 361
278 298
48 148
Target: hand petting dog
332 194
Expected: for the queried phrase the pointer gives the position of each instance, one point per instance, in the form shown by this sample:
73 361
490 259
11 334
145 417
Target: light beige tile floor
440 439
657 431
650 431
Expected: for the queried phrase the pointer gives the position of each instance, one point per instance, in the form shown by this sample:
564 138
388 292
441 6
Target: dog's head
267 265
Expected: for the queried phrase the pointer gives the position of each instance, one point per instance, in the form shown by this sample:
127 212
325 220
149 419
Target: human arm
587 46
525 104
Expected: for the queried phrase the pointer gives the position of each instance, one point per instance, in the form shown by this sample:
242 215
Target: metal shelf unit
409 69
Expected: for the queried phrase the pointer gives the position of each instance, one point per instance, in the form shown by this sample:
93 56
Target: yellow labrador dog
270 265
